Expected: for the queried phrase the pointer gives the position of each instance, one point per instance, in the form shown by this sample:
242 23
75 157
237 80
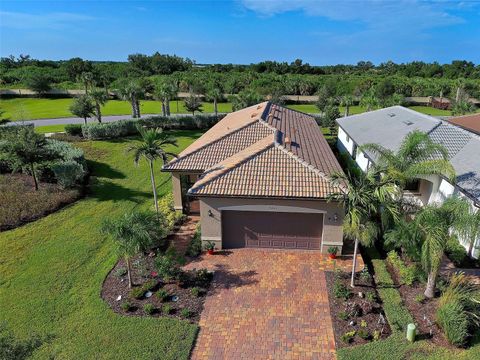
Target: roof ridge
227 169
212 142
305 164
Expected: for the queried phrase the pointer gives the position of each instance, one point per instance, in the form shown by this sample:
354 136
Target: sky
320 32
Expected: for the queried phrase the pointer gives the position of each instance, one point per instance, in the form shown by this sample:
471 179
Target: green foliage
420 298
172 217
73 129
193 103
148 309
167 309
38 82
453 320
203 277
186 313
121 271
348 336
408 274
126 306
137 292
196 291
199 121
167 267
14 349
150 284
245 98
455 251
98 131
209 245
364 334
162 295
68 173
343 315
83 107
195 246
340 290
371 296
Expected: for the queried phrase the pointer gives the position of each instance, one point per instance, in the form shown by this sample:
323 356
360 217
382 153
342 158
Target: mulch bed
370 312
143 270
423 312
20 203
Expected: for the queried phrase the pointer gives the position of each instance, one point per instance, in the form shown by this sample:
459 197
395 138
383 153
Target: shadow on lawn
105 190
104 170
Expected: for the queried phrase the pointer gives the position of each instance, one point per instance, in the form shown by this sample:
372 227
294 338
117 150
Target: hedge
97 131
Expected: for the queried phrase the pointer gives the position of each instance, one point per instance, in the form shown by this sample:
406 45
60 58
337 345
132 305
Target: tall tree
83 107
87 79
369 100
26 149
132 90
151 148
134 232
468 225
364 197
100 98
193 103
347 101
215 94
165 91
245 98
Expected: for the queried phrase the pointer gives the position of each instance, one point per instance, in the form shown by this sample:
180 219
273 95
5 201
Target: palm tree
100 98
134 232
193 103
347 101
369 100
417 156
131 90
365 196
435 222
215 94
468 225
87 78
165 91
151 148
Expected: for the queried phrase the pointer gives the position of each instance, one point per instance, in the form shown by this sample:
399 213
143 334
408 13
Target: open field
33 108
52 270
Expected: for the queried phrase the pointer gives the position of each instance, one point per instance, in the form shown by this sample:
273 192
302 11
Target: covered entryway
280 230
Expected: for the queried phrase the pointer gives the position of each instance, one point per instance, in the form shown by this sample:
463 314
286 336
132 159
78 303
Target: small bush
149 285
365 275
420 298
371 296
196 291
73 129
121 271
454 321
167 309
455 251
376 335
162 295
148 309
203 277
348 336
343 315
186 313
172 217
68 173
340 290
408 274
364 334
195 245
167 267
363 324
137 293
126 306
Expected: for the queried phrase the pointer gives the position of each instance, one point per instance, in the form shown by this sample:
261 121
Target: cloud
56 20
375 14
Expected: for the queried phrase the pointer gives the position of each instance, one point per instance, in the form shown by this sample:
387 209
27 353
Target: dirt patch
422 310
181 295
365 314
20 203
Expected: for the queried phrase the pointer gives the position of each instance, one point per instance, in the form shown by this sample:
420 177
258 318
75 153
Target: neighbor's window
354 151
413 186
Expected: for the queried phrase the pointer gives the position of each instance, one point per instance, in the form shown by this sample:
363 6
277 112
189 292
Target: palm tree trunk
129 272
85 120
32 169
354 266
168 107
137 105
99 112
347 110
132 103
215 106
164 111
470 247
431 282
154 187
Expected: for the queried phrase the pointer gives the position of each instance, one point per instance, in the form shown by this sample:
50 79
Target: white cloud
56 20
377 14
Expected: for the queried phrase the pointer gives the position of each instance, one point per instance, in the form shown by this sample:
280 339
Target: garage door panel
271 230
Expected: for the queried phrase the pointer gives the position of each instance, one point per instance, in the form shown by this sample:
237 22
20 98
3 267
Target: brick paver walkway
267 304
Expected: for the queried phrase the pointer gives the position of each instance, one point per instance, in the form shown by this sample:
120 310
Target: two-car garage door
280 230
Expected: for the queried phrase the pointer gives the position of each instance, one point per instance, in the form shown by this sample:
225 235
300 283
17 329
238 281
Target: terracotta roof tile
468 122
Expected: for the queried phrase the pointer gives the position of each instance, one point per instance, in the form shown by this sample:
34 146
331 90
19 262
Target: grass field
30 108
52 270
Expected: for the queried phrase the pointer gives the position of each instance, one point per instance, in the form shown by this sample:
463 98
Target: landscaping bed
356 319
181 298
20 203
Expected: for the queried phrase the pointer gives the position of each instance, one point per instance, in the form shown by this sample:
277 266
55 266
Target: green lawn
49 129
431 111
51 271
31 108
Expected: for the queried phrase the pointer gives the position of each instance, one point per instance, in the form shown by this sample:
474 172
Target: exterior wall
344 142
362 161
212 224
177 191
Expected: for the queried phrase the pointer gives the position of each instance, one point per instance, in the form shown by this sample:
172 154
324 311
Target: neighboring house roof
262 151
467 122
388 127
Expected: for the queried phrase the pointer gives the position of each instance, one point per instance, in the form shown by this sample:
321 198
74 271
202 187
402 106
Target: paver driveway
266 304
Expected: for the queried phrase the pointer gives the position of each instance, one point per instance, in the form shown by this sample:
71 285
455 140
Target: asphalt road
73 120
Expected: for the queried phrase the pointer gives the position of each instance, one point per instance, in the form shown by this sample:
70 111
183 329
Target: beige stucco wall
212 225
177 191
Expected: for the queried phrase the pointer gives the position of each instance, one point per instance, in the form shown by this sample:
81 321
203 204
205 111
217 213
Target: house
467 122
260 178
388 127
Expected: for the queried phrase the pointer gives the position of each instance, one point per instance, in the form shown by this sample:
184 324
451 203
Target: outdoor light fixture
210 213
335 217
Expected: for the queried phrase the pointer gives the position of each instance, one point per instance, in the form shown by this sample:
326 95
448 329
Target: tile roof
274 152
467 122
379 127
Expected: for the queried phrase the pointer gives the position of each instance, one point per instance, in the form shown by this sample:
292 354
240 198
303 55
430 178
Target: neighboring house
260 178
467 122
388 127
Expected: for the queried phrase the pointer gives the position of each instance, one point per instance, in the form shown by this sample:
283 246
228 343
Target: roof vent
277 137
287 140
253 115
407 122
391 114
259 107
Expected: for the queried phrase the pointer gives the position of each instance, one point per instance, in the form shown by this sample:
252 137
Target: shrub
121 271
371 296
182 122
68 173
348 336
148 309
363 324
167 267
420 298
97 131
137 292
186 313
73 129
196 291
162 295
340 290
172 217
364 334
195 245
149 285
167 309
455 251
365 275
408 274
70 166
376 335
343 315
126 306
203 277
453 320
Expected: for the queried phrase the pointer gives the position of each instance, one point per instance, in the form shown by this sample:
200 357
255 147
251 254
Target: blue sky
244 31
